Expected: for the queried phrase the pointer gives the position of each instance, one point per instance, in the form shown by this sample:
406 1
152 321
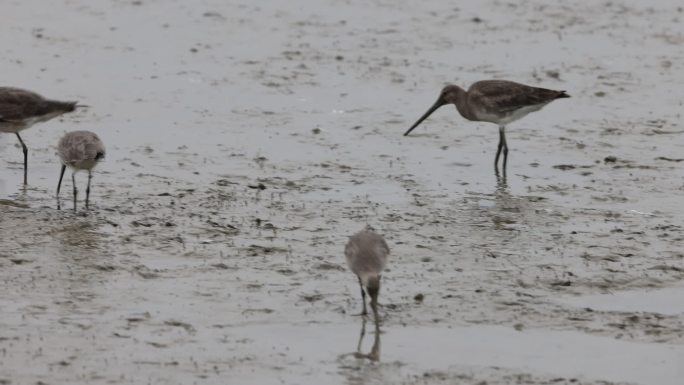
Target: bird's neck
462 105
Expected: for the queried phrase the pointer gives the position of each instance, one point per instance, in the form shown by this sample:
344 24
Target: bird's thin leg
499 148
25 149
363 333
502 130
90 176
59 184
363 298
73 181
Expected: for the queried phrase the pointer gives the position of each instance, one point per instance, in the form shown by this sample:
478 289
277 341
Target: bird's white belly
26 123
82 164
512 116
12 127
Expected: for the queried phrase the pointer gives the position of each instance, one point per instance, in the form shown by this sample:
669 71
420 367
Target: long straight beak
438 103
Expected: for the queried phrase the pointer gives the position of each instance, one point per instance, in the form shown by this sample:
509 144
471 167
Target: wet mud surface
245 143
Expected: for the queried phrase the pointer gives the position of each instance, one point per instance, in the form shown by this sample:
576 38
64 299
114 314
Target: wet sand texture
246 141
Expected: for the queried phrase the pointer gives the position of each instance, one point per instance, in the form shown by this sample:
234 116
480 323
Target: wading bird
21 109
495 101
366 254
80 150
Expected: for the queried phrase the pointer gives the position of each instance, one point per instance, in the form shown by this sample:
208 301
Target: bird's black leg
23 147
90 176
73 181
59 184
363 298
502 133
502 140
363 333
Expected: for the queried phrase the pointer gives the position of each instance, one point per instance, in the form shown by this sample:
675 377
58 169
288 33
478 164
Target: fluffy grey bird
366 254
80 150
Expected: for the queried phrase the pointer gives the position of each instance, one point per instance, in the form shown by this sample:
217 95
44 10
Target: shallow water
418 350
186 271
668 301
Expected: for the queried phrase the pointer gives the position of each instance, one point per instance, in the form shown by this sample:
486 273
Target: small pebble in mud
419 297
565 167
518 327
316 130
259 186
553 74
339 57
216 15
610 159
599 94
476 20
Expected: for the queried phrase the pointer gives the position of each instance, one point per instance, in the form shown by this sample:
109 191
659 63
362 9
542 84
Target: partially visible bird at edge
20 109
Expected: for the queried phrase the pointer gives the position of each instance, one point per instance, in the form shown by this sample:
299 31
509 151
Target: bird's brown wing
17 104
505 96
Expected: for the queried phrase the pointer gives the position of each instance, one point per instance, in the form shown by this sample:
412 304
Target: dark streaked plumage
80 150
495 101
366 254
20 109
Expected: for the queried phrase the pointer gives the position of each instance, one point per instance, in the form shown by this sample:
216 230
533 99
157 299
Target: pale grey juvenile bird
80 150
495 101
21 109
366 254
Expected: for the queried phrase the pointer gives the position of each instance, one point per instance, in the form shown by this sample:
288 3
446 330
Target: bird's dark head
449 95
66 106
373 288
100 155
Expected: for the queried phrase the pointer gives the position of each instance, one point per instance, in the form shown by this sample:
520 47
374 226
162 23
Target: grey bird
21 109
495 101
80 150
366 254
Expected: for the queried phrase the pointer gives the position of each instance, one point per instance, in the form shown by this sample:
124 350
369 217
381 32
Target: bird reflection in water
501 183
374 354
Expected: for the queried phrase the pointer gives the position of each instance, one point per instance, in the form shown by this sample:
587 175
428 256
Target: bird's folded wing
513 96
10 112
16 104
